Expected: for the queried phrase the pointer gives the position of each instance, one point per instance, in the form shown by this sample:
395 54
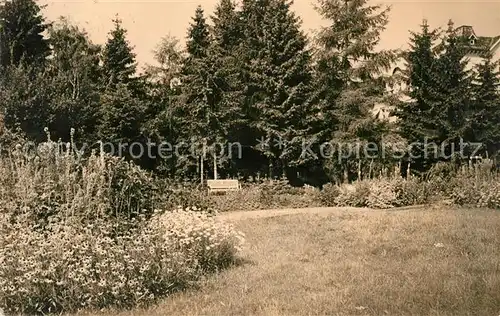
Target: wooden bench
223 185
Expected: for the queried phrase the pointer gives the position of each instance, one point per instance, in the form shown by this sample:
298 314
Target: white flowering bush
489 195
70 266
54 182
214 244
73 267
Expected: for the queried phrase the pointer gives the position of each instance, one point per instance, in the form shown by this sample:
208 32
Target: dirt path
241 215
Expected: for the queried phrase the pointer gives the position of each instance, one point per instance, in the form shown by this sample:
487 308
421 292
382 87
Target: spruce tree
484 119
450 93
226 56
124 102
25 101
349 74
277 79
121 117
21 33
421 74
118 59
198 99
198 38
226 30
420 71
24 87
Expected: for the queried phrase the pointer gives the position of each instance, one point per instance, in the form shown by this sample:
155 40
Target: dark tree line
249 76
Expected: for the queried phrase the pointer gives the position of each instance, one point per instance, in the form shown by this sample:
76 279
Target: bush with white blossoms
69 266
201 235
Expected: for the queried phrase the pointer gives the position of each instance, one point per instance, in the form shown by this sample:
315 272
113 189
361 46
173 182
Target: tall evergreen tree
121 118
277 79
198 99
421 73
485 110
119 65
124 102
350 73
199 37
450 93
25 100
21 33
227 58
420 70
226 28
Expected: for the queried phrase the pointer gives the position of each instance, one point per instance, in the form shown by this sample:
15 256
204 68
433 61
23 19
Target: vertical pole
201 170
1 43
202 163
359 170
215 166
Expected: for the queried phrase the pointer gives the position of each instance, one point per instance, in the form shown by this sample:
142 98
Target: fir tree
421 72
198 38
226 30
450 93
199 97
485 111
349 73
121 118
119 65
277 82
124 102
25 101
21 33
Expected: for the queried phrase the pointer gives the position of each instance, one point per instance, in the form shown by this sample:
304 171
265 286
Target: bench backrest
223 184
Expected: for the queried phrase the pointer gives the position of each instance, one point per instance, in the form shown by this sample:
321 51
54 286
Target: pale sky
148 21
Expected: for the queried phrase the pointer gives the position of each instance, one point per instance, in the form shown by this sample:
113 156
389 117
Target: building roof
477 45
465 30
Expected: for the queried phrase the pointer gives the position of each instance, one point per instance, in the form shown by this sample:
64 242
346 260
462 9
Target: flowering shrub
413 191
477 186
280 194
382 194
328 195
490 195
267 195
132 190
249 198
185 194
354 195
379 193
212 244
70 266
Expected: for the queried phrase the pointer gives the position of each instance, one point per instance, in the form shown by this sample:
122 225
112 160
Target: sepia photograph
250 157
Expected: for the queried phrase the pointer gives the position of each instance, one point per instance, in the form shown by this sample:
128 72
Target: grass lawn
434 261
